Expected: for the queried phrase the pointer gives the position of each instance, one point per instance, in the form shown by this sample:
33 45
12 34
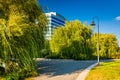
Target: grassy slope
106 71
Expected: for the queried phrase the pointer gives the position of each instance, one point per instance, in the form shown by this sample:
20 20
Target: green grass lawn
106 71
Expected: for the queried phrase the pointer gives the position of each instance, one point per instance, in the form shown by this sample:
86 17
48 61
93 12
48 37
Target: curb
84 73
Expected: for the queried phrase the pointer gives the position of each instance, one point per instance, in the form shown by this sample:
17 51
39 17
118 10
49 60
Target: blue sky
108 12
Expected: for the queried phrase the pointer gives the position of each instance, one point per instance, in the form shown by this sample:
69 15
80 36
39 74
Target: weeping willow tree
21 36
108 45
72 41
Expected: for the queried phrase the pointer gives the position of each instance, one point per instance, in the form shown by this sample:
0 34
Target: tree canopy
108 45
77 41
72 41
21 35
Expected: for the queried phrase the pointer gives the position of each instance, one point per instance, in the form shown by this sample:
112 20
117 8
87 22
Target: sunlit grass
1 78
106 71
29 79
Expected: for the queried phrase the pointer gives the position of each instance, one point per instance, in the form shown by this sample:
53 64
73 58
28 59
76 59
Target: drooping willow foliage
77 41
72 41
108 45
21 36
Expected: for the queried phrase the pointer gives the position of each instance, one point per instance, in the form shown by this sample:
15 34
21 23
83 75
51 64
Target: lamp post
98 41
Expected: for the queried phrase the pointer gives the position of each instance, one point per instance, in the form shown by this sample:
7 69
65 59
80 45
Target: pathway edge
84 73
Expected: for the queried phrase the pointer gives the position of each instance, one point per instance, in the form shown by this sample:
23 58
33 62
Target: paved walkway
85 72
57 69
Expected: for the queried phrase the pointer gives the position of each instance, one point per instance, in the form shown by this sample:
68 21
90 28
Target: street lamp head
93 23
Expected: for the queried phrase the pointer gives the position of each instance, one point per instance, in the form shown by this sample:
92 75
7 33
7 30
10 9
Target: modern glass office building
54 20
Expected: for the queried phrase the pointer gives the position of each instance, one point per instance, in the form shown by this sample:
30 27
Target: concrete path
85 72
57 69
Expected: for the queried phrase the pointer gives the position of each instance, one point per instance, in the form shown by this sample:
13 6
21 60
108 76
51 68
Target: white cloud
117 18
